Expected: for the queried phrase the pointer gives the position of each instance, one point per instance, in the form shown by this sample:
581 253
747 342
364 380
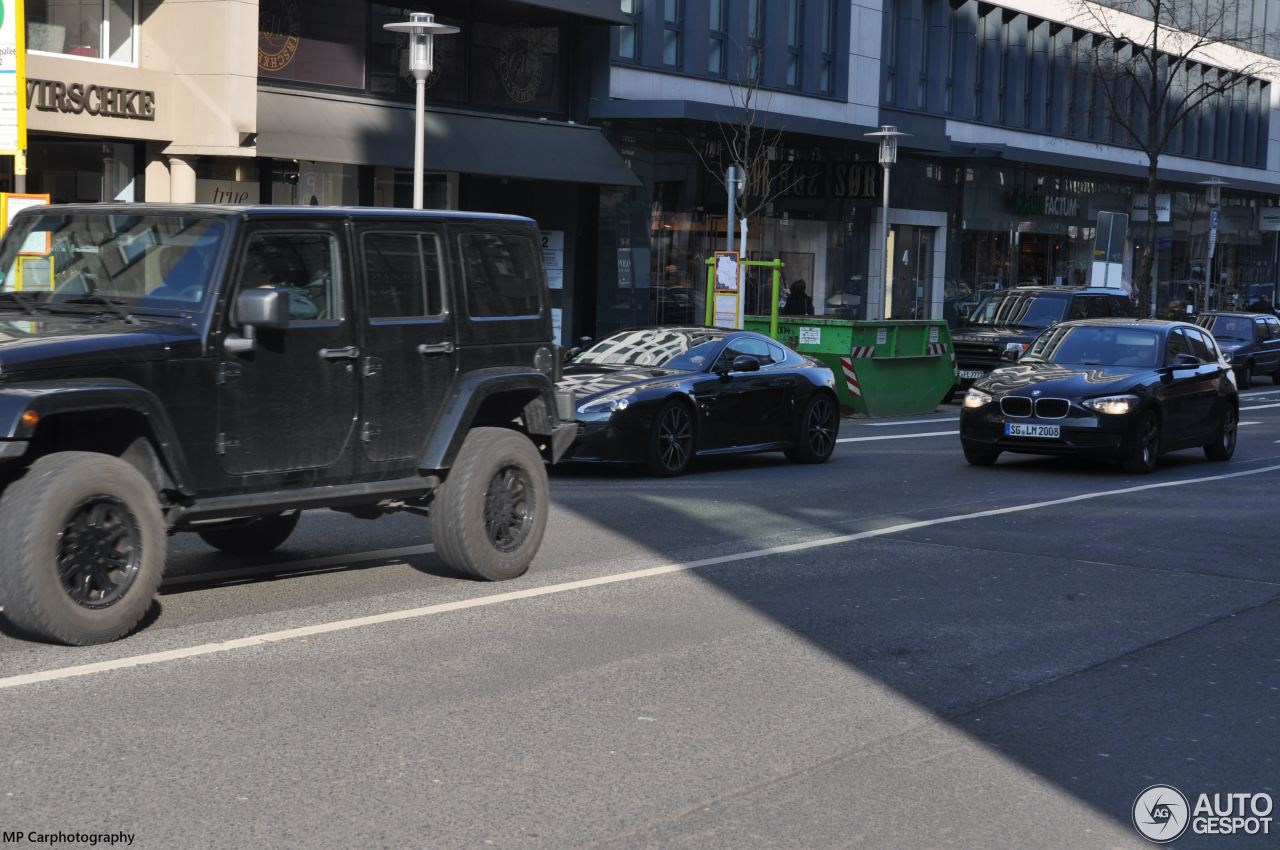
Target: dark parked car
218 370
1129 390
1009 320
661 396
1251 342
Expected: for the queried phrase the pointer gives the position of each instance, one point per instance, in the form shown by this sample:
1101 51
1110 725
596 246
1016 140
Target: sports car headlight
976 398
1113 405
612 402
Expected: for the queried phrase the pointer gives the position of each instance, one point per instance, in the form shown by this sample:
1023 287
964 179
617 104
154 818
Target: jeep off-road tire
488 518
83 543
258 536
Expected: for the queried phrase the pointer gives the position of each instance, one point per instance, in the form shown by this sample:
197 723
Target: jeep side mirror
257 308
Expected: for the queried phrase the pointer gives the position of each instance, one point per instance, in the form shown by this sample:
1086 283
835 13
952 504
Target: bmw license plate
1018 429
969 374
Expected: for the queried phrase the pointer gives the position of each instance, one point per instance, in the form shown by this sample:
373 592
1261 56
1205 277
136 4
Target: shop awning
1118 168
322 128
711 113
600 11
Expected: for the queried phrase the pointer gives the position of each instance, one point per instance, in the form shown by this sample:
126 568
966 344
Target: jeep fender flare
465 401
44 399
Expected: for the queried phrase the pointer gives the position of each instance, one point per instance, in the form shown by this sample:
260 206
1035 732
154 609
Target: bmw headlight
612 402
976 398
1113 405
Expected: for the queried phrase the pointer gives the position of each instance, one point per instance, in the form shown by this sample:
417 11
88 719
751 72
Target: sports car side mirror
746 363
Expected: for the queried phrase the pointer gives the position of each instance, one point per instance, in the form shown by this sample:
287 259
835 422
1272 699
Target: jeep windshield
1019 310
108 262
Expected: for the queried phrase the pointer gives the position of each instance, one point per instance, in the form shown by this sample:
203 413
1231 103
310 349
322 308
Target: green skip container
885 368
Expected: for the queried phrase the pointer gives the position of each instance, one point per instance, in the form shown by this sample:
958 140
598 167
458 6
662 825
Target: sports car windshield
105 259
657 348
1019 310
1095 346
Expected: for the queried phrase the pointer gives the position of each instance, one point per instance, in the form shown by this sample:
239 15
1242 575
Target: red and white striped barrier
850 377
937 348
860 352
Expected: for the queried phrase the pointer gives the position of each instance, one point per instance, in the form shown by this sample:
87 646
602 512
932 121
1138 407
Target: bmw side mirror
257 308
1009 355
1185 361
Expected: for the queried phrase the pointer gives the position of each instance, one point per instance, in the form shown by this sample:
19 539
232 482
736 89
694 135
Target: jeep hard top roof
277 210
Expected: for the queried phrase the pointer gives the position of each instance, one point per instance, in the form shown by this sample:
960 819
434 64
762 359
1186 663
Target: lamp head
422 29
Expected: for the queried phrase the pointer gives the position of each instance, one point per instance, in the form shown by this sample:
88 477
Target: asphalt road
893 650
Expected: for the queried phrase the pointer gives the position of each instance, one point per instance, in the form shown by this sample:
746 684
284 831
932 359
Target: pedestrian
798 301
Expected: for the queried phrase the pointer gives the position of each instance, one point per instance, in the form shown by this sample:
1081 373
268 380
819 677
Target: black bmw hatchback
1130 390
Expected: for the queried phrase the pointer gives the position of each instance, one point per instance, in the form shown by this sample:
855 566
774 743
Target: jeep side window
500 271
303 263
403 271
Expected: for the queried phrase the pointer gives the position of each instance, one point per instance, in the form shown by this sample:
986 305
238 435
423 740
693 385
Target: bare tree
743 138
1141 66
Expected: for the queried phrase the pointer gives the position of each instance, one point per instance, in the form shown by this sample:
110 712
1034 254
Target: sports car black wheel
816 435
1144 446
671 444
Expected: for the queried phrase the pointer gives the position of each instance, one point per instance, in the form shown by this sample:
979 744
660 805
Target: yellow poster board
727 311
12 203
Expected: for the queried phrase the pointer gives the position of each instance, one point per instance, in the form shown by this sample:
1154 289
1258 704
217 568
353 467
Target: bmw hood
1059 380
588 382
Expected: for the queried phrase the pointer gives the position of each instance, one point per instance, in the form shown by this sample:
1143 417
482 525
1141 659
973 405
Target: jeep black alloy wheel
99 552
84 548
819 425
671 442
508 509
488 518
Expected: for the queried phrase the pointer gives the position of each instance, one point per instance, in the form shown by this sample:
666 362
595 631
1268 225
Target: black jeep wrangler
218 370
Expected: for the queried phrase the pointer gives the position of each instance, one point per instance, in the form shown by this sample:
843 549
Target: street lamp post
1213 194
422 29
888 136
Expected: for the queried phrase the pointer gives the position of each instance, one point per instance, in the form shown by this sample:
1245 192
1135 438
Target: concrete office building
1011 155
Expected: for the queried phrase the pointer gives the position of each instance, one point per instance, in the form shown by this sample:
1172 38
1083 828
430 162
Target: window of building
403 275
755 39
890 50
795 38
92 29
716 58
500 271
629 34
827 62
672 24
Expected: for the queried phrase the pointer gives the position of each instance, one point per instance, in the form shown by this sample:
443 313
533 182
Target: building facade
612 123
1012 153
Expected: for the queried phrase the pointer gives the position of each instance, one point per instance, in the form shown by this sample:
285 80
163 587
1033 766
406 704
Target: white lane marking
1242 424
1261 406
302 565
896 436
581 584
912 422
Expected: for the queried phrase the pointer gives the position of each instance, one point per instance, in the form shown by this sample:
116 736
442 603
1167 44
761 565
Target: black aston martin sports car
662 396
1127 389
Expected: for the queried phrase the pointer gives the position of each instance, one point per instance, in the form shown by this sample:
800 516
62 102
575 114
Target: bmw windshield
1019 310
1132 348
109 261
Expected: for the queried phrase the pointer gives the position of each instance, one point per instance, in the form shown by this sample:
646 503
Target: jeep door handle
348 353
436 348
